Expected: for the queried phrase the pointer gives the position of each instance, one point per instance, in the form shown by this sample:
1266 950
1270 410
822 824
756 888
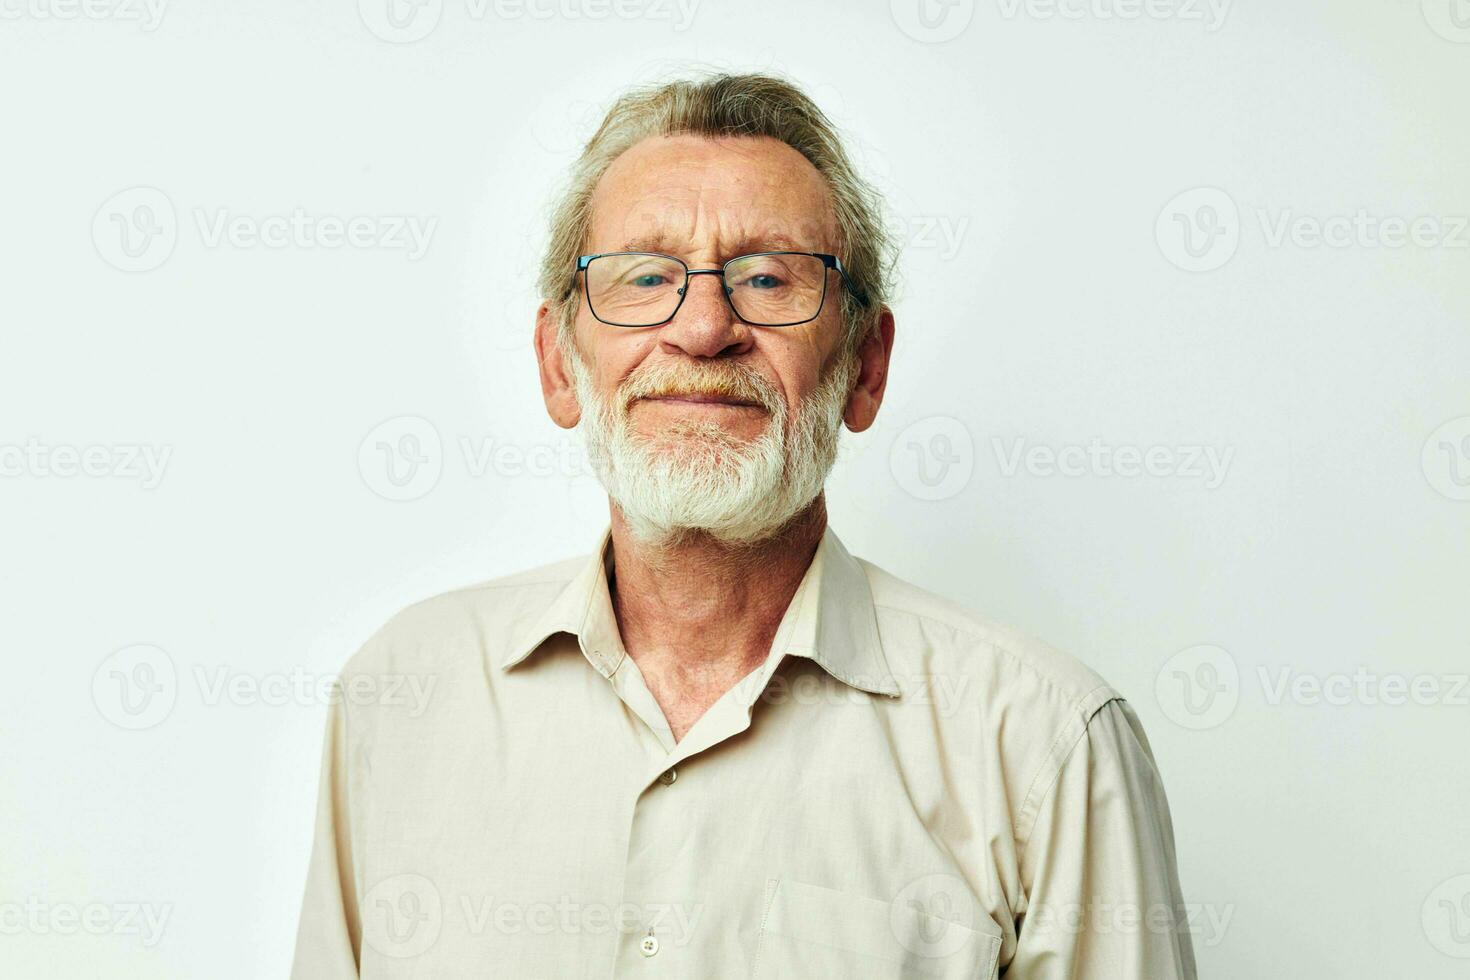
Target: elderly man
717 747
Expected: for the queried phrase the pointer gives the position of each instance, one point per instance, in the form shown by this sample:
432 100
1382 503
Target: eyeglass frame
829 262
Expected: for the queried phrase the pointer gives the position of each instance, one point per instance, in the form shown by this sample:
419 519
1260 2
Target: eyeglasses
765 289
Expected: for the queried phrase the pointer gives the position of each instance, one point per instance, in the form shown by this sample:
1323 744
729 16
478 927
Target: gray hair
716 105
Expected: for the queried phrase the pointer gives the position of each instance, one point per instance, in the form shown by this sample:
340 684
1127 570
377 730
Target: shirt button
649 946
668 777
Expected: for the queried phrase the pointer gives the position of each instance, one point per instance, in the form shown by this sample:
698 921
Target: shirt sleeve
330 931
1102 886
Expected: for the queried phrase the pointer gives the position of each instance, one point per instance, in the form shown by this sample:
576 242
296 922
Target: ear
556 379
872 378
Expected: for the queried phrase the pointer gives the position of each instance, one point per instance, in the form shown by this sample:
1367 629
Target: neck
697 615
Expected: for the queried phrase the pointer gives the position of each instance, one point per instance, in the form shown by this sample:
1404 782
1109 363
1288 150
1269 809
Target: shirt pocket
810 931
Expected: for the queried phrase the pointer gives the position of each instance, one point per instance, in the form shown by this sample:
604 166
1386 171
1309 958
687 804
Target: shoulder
922 631
445 629
1026 704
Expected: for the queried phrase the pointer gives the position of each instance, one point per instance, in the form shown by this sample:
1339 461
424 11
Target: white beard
694 476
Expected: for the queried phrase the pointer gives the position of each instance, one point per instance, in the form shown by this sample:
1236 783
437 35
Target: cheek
797 364
610 356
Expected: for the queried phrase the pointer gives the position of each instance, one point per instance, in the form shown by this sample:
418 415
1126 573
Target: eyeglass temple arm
833 262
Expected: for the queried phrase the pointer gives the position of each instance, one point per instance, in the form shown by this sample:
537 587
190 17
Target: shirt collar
835 625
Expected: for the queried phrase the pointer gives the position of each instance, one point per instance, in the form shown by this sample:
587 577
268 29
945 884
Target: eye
763 280
648 279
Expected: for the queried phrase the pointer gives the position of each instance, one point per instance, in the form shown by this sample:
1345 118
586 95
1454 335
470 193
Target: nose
706 325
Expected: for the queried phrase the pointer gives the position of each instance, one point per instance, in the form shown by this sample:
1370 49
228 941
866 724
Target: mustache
725 379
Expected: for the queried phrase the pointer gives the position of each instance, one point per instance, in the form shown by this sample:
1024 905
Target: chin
695 437
693 455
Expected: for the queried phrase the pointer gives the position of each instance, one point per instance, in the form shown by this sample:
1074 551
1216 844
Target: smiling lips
701 398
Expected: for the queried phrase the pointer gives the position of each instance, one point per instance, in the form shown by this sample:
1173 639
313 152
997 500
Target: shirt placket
664 890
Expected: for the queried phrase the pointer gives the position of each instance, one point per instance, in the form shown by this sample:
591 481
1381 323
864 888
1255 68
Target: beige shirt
901 790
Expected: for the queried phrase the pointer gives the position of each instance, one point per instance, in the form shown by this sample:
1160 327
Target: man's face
707 423
706 201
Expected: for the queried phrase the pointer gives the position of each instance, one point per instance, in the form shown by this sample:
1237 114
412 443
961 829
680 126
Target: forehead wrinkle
730 247
675 202
657 247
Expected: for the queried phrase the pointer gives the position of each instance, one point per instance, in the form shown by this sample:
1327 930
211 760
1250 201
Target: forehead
730 194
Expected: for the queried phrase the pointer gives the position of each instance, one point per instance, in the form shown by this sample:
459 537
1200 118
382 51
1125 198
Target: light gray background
1046 164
